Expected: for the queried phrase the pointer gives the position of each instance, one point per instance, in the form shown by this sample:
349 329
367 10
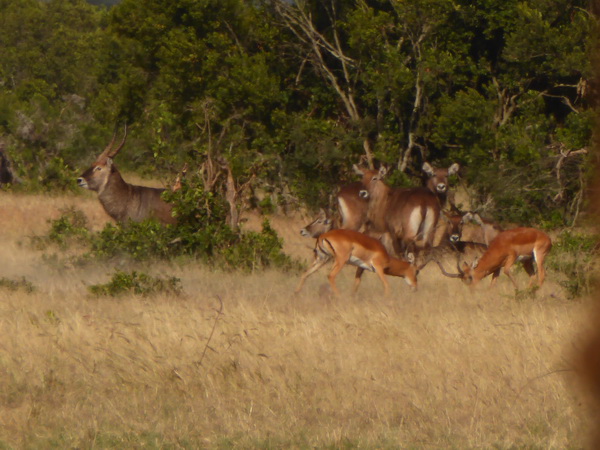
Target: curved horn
106 151
114 152
449 275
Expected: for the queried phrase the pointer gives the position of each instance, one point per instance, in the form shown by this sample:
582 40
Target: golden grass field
444 367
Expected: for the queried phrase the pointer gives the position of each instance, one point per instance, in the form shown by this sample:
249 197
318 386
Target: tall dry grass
442 367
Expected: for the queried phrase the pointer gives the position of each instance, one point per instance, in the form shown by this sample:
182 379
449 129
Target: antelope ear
467 217
428 169
322 214
383 171
357 170
475 263
453 169
410 257
109 163
477 219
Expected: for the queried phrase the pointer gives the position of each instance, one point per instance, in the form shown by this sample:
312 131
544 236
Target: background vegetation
289 95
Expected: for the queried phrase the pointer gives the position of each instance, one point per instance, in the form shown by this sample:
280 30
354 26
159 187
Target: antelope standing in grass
528 245
123 201
354 211
352 247
407 214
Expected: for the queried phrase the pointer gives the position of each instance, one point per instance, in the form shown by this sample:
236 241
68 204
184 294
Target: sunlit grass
236 360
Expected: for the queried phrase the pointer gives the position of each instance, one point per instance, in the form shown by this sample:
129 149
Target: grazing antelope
518 244
120 200
352 247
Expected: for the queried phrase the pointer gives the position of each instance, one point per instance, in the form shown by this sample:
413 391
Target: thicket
202 232
291 94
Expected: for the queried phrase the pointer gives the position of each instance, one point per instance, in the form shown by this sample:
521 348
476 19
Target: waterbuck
123 201
407 214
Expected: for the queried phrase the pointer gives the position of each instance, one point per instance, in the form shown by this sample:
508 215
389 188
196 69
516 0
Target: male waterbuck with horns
123 201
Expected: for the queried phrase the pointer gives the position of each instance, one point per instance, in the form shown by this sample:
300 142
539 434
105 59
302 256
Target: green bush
138 283
71 227
201 232
573 255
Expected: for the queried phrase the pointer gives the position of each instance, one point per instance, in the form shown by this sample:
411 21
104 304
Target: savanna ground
442 367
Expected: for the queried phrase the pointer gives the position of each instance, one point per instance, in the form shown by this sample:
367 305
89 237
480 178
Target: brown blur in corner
587 356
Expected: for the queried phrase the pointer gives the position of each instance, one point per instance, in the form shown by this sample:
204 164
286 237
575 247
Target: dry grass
443 367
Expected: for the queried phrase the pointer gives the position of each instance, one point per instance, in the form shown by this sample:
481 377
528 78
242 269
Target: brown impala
123 201
358 249
518 244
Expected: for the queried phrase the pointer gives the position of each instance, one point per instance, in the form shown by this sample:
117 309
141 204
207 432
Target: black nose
80 180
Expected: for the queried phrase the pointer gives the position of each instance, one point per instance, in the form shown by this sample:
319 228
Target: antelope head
371 179
96 177
437 179
317 227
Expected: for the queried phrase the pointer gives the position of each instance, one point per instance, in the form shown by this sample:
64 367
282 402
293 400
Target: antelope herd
386 230
391 231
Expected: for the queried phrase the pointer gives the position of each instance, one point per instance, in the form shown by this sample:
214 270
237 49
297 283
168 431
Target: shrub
574 255
138 283
70 227
201 232
14 285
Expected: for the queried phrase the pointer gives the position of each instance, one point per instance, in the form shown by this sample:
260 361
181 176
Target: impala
317 227
352 247
123 201
528 245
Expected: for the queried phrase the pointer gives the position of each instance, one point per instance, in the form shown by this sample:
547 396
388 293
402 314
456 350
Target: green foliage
138 283
143 240
495 86
201 232
14 285
254 251
70 228
575 256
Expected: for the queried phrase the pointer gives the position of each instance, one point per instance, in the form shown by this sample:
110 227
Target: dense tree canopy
291 94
